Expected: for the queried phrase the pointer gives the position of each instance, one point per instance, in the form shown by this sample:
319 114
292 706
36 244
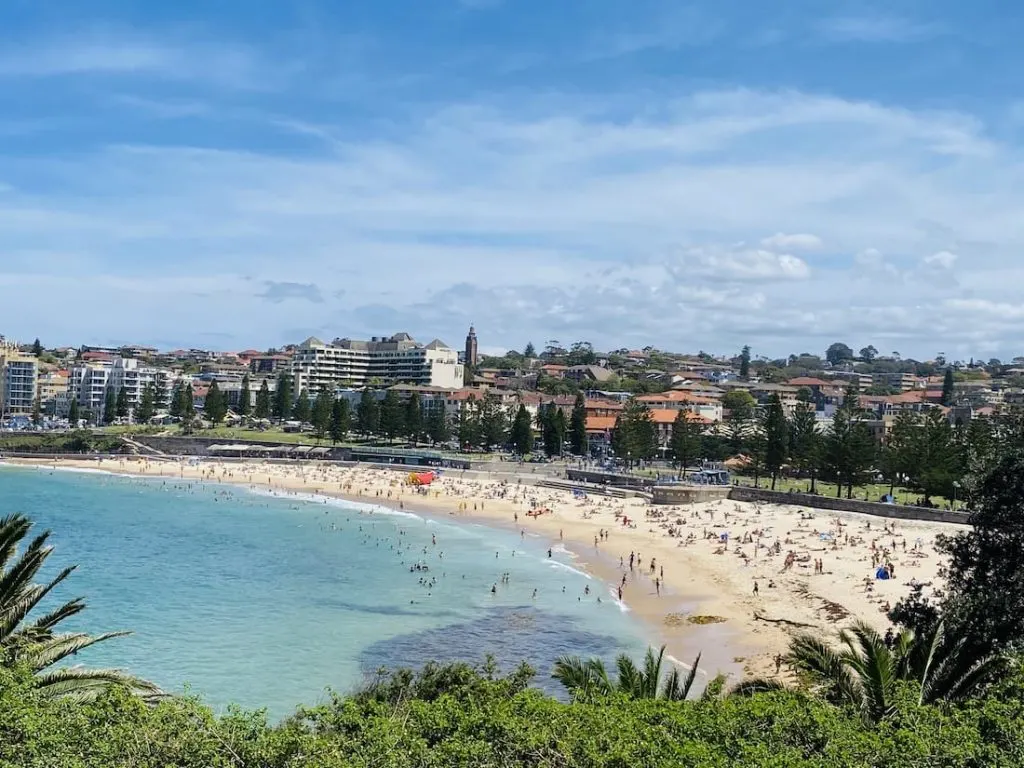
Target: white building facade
389 360
18 374
89 382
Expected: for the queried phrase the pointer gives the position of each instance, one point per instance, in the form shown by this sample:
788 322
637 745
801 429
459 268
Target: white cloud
745 264
798 242
552 219
104 52
940 260
875 29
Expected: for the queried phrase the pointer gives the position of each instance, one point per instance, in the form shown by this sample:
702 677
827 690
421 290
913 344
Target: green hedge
484 723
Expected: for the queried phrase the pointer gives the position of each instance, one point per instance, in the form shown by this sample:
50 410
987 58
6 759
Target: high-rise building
384 360
18 373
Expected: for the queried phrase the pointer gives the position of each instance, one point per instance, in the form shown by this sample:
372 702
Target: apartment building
18 373
903 382
88 385
51 387
387 360
707 408
89 382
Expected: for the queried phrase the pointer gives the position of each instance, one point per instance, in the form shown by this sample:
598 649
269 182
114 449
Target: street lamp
956 485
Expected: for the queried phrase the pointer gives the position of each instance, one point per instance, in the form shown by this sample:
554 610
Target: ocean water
243 597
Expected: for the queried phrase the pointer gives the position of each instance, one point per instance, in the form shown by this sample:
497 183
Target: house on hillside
587 374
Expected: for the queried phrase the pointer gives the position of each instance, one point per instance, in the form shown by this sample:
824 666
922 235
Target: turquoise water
266 601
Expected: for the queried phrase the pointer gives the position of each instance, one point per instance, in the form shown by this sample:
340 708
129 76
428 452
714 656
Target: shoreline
700 574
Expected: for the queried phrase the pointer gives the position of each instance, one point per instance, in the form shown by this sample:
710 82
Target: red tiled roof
913 396
676 396
605 405
807 381
600 423
668 415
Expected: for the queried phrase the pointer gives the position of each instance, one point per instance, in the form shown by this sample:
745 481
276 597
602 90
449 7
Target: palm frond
55 617
16 605
79 684
873 663
826 668
35 644
630 678
13 529
691 676
978 676
651 677
44 654
585 680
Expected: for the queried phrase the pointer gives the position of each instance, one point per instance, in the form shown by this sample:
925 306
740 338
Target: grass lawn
873 491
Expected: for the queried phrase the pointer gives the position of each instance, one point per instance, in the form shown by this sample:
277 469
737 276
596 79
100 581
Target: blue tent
882 574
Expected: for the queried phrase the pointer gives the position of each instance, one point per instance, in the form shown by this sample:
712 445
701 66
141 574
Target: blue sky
693 176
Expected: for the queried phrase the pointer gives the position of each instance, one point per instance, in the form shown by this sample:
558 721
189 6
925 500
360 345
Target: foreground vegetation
461 717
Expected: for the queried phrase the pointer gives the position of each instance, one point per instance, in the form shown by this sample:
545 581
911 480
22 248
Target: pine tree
469 424
283 397
302 410
529 352
109 406
73 413
637 436
948 386
175 407
739 405
262 409
899 460
323 409
368 414
549 429
437 426
413 421
745 363
244 397
937 458
341 420
37 348
560 429
521 436
684 445
37 411
805 442
188 401
392 419
147 404
121 404
493 422
216 405
578 426
849 447
776 437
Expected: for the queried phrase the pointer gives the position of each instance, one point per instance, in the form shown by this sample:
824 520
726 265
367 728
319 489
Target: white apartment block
89 382
387 360
18 373
88 385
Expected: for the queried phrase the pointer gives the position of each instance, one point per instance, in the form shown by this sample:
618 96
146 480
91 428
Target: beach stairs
600 490
141 448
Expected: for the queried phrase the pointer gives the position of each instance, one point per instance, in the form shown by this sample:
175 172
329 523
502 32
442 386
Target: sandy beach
731 579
